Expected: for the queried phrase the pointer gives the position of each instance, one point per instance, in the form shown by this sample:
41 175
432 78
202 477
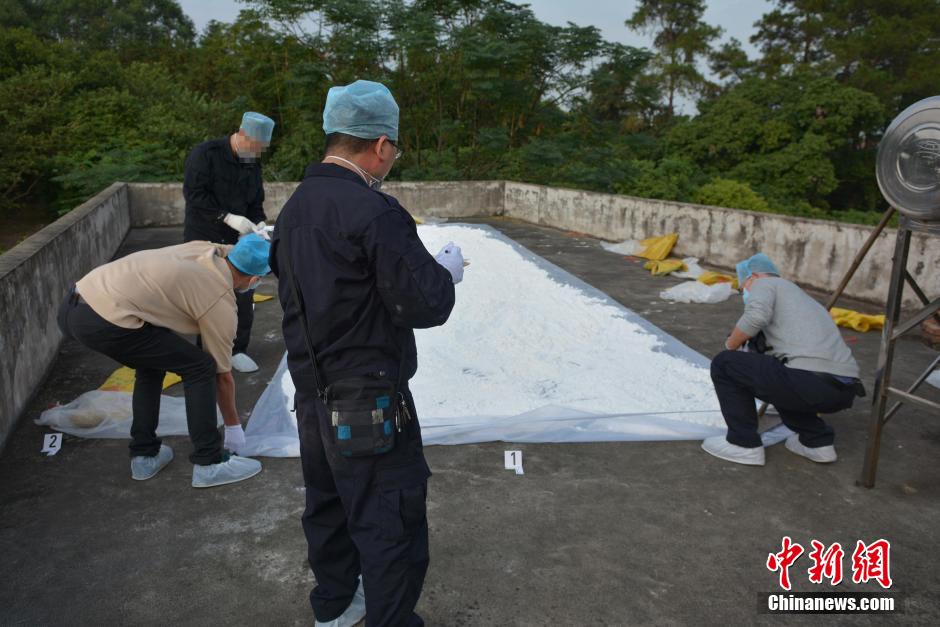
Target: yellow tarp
260 298
122 380
658 248
855 320
666 266
711 278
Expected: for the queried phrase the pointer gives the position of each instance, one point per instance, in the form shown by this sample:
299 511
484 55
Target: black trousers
364 515
798 396
152 351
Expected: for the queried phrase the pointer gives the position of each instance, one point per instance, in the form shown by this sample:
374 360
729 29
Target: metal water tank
908 168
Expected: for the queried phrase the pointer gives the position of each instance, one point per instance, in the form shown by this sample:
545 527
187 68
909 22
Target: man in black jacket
365 281
224 196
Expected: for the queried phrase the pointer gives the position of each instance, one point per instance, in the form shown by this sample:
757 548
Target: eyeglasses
398 151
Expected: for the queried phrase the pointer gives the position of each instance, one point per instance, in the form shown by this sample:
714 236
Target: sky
735 17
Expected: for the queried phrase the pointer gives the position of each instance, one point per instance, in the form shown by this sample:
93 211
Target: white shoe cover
720 447
819 454
143 468
232 471
243 363
353 614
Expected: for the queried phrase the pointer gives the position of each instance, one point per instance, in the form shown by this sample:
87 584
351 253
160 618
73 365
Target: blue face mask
744 295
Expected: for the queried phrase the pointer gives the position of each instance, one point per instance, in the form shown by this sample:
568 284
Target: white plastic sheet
693 269
272 428
531 354
934 378
696 292
100 414
626 247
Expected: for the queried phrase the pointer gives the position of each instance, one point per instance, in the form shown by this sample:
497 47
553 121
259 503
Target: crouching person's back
796 360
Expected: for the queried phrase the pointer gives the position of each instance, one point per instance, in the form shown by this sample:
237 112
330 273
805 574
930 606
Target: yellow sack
658 248
855 320
711 278
122 380
260 298
666 266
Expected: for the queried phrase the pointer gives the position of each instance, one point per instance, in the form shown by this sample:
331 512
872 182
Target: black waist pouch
364 415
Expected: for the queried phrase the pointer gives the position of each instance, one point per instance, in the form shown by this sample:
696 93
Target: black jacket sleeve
417 291
197 186
256 208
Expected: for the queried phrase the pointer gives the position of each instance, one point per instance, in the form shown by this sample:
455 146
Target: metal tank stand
894 328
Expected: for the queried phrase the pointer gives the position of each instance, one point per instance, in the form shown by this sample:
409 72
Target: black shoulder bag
365 411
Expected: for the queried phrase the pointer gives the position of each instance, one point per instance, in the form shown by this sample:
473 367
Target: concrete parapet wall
815 253
450 199
162 204
34 278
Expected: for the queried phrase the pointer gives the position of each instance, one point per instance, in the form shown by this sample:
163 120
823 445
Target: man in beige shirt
134 310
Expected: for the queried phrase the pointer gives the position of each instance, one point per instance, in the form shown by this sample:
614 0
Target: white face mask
252 284
373 182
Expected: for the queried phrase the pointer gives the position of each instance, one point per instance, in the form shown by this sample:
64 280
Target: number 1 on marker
512 460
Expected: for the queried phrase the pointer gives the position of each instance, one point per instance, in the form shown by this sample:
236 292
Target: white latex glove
262 230
234 438
451 258
240 223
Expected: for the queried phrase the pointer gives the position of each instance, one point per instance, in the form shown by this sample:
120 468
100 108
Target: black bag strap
295 292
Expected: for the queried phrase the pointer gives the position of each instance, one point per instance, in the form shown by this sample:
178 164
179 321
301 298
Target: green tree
730 63
721 192
618 92
886 47
794 140
32 114
680 37
101 24
97 90
673 178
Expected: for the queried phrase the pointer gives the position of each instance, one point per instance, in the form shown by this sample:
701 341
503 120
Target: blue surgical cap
258 127
758 263
250 255
363 109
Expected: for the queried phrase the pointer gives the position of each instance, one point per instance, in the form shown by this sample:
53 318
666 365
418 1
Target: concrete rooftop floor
592 534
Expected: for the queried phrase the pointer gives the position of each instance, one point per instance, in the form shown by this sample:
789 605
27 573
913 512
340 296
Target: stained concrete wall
34 277
815 253
161 204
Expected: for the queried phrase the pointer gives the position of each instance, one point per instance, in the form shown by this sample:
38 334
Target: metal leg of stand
885 357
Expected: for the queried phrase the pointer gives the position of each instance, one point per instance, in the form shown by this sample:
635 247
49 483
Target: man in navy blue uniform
224 199
365 281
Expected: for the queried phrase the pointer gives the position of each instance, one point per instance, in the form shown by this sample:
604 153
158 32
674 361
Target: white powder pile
519 340
529 357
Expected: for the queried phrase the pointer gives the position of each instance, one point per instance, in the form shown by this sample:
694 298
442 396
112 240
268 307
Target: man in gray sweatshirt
804 368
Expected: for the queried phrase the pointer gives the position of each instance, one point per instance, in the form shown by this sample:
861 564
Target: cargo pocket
402 500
